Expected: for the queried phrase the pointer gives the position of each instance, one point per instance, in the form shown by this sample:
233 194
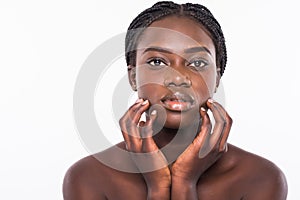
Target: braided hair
166 8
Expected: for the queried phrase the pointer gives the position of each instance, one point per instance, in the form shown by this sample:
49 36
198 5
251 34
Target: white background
44 44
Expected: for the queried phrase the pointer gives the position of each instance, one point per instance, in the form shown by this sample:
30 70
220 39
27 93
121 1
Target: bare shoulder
82 180
92 178
261 178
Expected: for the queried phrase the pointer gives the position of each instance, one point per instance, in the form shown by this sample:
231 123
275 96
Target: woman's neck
166 135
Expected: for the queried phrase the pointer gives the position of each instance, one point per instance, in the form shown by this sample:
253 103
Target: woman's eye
156 62
198 63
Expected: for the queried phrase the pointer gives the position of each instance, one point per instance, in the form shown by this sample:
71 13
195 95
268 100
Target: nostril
168 82
187 82
178 81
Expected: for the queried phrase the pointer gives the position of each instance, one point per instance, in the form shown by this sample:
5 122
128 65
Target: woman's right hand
144 152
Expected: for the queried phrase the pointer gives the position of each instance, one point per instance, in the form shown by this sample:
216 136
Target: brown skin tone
223 171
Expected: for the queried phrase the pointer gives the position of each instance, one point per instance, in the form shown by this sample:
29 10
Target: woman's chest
134 188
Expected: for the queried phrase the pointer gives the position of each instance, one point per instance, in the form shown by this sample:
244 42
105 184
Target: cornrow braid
162 9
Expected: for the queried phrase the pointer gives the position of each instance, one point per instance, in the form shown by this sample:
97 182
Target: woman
176 55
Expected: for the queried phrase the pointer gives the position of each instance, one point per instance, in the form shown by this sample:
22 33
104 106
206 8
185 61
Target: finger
205 127
126 123
220 108
151 118
133 109
129 112
147 130
127 117
135 130
217 113
123 126
223 142
135 139
203 138
225 148
133 117
227 127
149 145
219 125
139 111
130 135
137 102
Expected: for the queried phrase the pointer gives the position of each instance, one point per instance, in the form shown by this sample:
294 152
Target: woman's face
176 69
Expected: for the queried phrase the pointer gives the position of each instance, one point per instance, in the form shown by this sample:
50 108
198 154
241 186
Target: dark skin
221 171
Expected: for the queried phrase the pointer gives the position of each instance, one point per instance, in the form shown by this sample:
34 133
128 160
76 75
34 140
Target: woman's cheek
146 76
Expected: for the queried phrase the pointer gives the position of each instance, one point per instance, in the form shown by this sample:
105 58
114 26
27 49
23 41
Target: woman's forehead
177 34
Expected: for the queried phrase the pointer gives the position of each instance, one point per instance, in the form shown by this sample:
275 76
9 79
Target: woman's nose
177 79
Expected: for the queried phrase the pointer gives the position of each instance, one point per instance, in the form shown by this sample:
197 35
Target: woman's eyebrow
165 50
159 49
197 49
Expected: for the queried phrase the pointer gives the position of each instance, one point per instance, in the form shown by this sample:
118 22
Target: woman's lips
178 102
177 105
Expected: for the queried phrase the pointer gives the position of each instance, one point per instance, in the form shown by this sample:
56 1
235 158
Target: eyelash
156 66
162 61
203 63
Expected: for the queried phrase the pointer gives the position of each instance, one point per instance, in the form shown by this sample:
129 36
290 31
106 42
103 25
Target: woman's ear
132 76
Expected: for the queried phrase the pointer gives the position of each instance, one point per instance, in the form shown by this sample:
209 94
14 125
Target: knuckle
139 111
222 120
205 129
206 121
121 121
229 120
128 124
198 141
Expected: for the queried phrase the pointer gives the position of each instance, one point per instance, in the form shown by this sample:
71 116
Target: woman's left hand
206 148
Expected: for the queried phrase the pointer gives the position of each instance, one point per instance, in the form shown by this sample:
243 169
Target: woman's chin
174 119
181 120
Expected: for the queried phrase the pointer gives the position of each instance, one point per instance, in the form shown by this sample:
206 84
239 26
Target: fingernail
139 100
153 112
225 148
210 100
203 109
145 102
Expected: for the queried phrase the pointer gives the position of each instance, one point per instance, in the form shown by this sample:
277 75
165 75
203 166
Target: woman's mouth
178 102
